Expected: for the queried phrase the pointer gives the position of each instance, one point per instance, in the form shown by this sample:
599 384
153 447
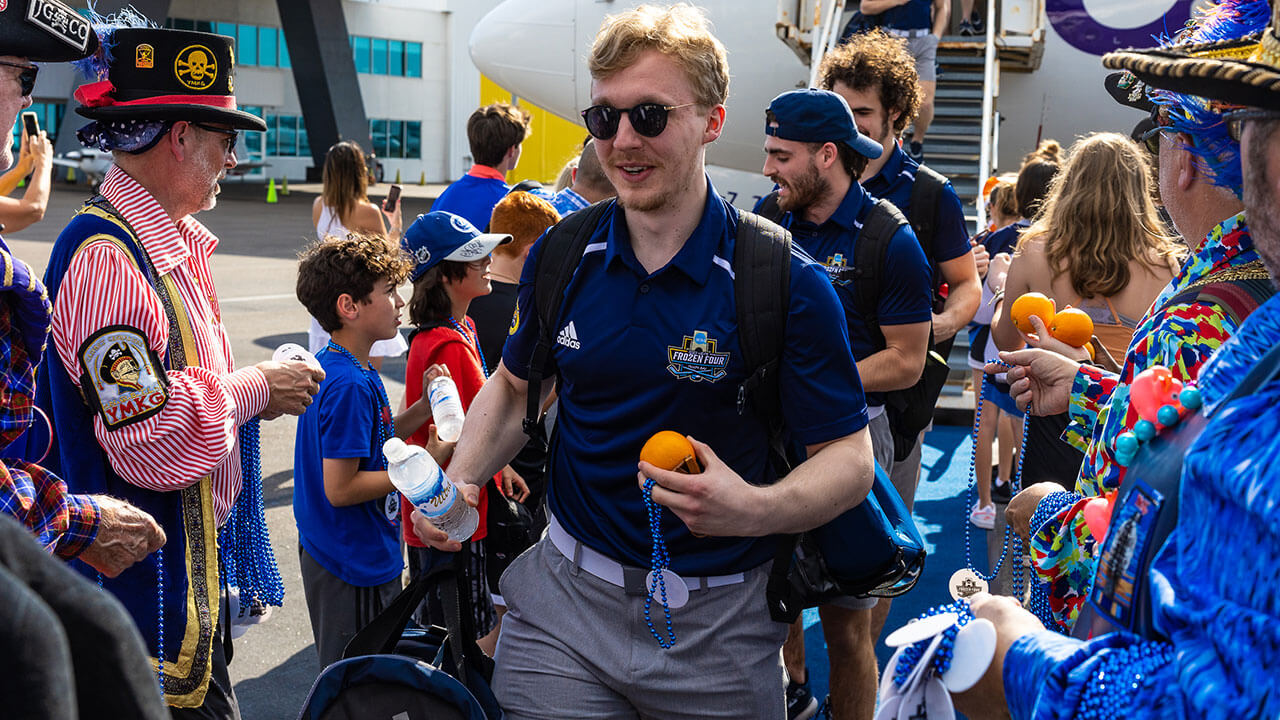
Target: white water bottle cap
396 450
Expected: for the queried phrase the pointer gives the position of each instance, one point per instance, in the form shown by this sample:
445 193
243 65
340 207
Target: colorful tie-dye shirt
1180 335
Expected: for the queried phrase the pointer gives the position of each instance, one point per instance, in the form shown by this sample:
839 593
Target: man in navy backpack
647 339
814 153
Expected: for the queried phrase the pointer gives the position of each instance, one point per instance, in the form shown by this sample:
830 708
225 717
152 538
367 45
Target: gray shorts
925 50
339 610
573 645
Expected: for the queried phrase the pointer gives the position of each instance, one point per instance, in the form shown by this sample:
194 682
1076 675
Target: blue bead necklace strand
386 424
248 561
659 560
1015 487
160 617
473 339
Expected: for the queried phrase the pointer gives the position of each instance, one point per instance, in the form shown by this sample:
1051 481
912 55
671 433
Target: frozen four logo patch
123 380
696 359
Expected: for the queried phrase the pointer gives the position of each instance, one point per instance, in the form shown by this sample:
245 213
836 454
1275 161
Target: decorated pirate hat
44 31
160 74
1240 71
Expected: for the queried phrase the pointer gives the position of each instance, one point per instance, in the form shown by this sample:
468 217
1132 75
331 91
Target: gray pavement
255 271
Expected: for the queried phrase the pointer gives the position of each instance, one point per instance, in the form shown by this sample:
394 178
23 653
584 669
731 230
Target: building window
396 138
247 44
284 52
379 48
50 117
267 46
360 49
395 57
413 139
225 28
413 59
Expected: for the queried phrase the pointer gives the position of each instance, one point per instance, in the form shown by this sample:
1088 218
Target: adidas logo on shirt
568 337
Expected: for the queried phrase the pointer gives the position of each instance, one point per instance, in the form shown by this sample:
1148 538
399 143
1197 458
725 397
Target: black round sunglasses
648 119
26 78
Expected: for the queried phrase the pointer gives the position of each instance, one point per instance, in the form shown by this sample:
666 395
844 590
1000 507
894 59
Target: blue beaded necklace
386 423
1016 486
473 339
941 659
659 560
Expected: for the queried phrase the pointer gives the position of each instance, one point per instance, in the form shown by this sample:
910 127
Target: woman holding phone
344 207
36 158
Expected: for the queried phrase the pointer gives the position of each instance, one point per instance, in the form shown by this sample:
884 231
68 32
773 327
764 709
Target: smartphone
30 124
393 198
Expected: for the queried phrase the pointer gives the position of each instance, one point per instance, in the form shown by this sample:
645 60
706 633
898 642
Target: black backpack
762 282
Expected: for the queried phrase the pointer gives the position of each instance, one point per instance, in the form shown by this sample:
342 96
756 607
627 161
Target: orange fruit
670 450
1032 303
1072 326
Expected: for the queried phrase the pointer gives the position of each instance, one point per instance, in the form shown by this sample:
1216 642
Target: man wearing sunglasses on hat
130 279
1215 632
647 341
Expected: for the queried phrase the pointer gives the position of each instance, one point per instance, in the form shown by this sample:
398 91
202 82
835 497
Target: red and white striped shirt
195 434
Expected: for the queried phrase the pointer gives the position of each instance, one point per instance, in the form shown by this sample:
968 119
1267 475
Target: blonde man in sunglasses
646 340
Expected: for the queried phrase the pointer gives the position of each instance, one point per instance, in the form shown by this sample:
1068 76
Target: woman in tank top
1098 244
344 207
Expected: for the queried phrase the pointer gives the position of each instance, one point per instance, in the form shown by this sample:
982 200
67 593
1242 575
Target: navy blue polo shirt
905 287
1005 240
894 183
911 15
640 352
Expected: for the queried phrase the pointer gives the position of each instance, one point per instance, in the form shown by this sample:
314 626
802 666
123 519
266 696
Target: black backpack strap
769 208
558 258
926 193
869 257
762 295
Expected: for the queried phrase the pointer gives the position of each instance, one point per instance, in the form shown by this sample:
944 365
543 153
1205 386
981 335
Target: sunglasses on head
26 78
1235 120
648 119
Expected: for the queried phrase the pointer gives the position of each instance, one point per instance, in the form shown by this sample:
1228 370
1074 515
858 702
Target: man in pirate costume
1213 640
131 285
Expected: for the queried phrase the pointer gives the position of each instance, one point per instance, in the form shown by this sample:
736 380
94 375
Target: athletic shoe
915 151
976 22
983 517
1001 492
967 29
801 704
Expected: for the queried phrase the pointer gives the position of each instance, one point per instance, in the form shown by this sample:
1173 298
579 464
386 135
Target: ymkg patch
123 380
696 359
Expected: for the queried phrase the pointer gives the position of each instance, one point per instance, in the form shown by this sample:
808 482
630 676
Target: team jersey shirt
640 352
473 195
195 433
357 543
894 183
567 201
904 286
911 15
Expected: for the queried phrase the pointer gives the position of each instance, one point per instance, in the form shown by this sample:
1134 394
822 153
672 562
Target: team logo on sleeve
515 320
839 270
123 380
696 360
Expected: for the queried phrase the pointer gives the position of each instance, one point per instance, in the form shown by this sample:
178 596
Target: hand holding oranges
1072 326
1028 304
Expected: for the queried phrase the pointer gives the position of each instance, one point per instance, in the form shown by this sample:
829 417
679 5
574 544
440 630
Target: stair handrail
987 149
827 37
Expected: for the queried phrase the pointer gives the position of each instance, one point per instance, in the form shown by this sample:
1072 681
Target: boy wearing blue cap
345 506
814 153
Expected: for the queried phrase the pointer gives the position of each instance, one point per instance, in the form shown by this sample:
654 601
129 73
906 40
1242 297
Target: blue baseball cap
818 116
442 235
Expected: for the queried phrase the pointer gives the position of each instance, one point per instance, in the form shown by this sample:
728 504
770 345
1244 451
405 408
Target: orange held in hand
1072 326
670 450
1032 303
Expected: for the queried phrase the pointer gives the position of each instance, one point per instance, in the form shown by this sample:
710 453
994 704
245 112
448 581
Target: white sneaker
983 516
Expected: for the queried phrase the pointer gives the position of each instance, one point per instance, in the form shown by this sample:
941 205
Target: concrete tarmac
255 269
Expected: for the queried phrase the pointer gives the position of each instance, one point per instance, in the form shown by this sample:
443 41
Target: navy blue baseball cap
818 116
442 235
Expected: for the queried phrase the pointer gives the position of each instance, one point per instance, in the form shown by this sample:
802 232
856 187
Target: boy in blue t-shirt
345 506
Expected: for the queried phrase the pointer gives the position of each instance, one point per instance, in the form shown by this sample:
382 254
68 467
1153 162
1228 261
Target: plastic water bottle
294 351
446 408
417 476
